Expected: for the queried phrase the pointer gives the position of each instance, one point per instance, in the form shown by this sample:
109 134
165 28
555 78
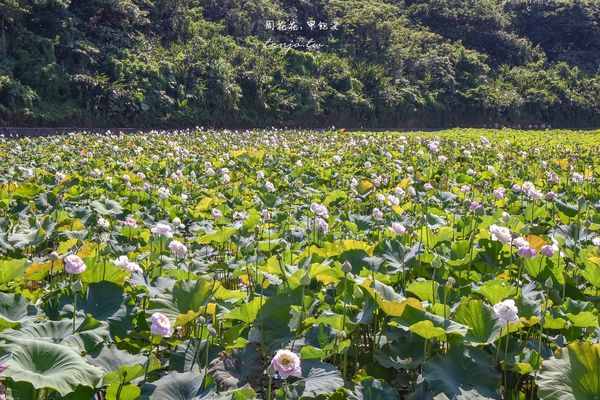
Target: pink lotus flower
161 325
286 364
499 193
547 250
526 251
74 264
319 210
178 248
397 228
216 213
162 229
322 225
130 222
377 214
506 311
500 233
123 263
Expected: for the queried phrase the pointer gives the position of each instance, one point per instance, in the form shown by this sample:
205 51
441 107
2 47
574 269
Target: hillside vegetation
412 63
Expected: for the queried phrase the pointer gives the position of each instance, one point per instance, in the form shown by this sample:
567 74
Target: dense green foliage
411 63
385 266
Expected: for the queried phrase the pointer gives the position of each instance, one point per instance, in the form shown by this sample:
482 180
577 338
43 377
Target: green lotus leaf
375 389
15 310
185 302
425 290
496 291
247 312
483 324
460 371
237 367
89 333
117 391
175 386
574 375
107 207
11 270
49 365
427 330
570 210
219 237
29 237
319 378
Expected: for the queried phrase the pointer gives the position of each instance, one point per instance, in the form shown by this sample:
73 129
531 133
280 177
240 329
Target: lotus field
272 264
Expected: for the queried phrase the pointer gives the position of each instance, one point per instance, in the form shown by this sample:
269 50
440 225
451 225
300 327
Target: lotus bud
505 216
305 280
53 255
254 335
346 267
77 286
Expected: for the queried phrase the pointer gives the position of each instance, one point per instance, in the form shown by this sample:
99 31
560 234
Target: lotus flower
286 364
103 223
162 229
178 248
506 311
500 233
161 325
377 214
547 250
397 228
164 193
322 225
130 222
74 264
526 251
319 210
